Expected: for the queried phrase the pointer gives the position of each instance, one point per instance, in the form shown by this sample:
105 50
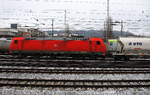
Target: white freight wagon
127 47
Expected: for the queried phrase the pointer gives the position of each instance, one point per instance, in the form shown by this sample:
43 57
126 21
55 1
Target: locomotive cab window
98 43
15 41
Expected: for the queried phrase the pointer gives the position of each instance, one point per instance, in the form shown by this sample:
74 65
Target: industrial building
18 31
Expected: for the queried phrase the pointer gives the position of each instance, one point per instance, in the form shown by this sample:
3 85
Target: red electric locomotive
90 47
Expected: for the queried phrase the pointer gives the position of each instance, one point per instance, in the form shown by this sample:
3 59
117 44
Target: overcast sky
81 14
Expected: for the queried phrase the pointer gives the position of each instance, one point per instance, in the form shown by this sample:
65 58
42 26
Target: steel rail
73 71
74 83
76 64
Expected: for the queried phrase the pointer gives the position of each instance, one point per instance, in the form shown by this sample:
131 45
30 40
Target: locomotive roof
56 38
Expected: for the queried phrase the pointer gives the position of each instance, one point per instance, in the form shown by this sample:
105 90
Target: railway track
8 57
75 60
74 70
9 60
68 66
77 63
38 58
74 83
48 57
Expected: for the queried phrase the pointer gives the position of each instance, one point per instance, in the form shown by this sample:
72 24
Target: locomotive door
19 44
95 45
16 45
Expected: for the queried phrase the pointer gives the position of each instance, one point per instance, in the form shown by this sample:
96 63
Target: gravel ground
73 68
76 76
47 91
50 91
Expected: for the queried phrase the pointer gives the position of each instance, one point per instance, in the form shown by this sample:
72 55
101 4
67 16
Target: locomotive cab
16 44
98 46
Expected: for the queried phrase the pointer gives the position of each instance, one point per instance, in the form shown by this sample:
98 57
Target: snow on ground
47 91
76 76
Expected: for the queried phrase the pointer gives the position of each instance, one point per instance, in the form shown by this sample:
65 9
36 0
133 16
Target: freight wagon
129 47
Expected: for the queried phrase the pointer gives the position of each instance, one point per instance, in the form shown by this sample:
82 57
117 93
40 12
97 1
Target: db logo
55 45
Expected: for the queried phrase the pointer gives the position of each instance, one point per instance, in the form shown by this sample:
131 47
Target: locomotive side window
15 41
98 43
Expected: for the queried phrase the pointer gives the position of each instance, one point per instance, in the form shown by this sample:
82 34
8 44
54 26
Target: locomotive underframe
60 53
